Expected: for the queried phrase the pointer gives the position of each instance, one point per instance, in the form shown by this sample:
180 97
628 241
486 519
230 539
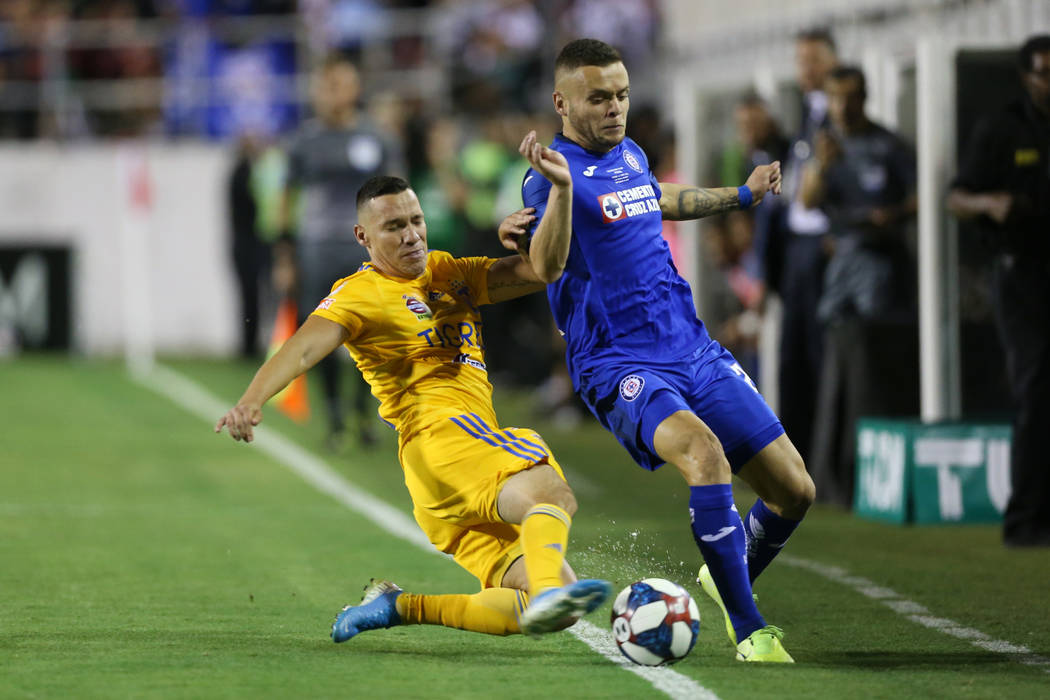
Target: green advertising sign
937 473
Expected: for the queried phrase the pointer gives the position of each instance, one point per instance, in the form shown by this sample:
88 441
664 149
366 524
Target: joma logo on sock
721 533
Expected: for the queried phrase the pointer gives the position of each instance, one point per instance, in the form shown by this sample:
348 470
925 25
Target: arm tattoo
697 202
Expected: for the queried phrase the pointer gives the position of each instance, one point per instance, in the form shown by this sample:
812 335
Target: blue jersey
620 296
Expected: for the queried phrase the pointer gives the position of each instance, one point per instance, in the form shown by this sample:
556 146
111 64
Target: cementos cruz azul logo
632 161
631 386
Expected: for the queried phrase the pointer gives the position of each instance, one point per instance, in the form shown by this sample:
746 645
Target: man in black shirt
1004 183
863 177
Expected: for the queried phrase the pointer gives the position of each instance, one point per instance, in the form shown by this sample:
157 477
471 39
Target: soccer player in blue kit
638 355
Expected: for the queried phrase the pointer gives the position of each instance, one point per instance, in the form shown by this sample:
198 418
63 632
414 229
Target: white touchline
915 612
196 400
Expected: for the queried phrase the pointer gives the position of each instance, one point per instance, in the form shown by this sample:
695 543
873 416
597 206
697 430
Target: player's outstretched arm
549 249
680 202
313 341
513 276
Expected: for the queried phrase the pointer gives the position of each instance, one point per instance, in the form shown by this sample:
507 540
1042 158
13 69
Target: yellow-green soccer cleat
764 646
708 584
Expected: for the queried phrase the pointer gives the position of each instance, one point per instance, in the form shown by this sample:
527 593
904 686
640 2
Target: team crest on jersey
612 207
417 307
632 161
631 386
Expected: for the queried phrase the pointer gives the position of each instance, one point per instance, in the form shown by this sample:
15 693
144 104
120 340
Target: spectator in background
863 176
251 255
761 141
328 161
800 231
1004 183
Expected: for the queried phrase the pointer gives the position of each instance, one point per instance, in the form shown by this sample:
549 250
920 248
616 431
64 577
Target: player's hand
239 420
763 179
513 230
548 163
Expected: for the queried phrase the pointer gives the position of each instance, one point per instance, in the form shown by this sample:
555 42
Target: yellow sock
492 611
544 536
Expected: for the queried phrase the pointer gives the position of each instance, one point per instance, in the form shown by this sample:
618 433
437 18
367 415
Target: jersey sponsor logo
631 386
465 359
633 201
417 307
632 161
612 207
325 303
589 170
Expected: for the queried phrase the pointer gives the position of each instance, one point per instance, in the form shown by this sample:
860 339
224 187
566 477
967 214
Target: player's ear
559 103
360 235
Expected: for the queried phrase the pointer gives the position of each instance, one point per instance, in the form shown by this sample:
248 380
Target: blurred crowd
442 92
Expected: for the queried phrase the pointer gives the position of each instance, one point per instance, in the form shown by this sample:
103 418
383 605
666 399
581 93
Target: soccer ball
655 622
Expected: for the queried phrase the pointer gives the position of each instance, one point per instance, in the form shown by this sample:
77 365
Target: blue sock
719 534
766 533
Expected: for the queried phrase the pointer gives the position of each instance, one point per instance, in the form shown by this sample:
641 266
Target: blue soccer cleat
377 610
558 608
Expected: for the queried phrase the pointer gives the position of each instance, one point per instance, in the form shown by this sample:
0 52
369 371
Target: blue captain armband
743 193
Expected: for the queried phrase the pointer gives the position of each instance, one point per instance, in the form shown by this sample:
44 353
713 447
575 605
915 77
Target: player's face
814 60
391 227
593 103
1037 79
335 90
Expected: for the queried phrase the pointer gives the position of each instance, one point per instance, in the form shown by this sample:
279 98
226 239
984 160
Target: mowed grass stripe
194 399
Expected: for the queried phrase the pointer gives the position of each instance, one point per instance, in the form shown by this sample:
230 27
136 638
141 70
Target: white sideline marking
663 678
196 400
917 613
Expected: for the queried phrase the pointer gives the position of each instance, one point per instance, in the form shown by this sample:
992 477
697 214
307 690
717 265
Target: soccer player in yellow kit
493 497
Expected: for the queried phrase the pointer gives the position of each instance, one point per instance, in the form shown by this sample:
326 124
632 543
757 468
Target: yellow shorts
454 470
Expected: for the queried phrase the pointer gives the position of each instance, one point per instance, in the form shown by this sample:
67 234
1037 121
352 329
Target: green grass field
143 556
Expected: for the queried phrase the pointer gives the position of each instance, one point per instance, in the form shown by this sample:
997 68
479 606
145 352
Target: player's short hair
379 186
1034 44
586 52
850 72
821 34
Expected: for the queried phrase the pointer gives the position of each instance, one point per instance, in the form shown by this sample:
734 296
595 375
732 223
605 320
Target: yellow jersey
418 342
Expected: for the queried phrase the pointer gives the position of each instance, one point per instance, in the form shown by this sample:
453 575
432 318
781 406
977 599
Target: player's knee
800 491
561 495
700 458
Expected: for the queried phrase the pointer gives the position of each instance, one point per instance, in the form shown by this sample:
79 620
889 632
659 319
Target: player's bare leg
785 492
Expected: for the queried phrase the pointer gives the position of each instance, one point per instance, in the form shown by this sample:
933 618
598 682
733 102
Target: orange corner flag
292 400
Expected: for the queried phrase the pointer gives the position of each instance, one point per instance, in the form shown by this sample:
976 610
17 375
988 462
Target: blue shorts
631 398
